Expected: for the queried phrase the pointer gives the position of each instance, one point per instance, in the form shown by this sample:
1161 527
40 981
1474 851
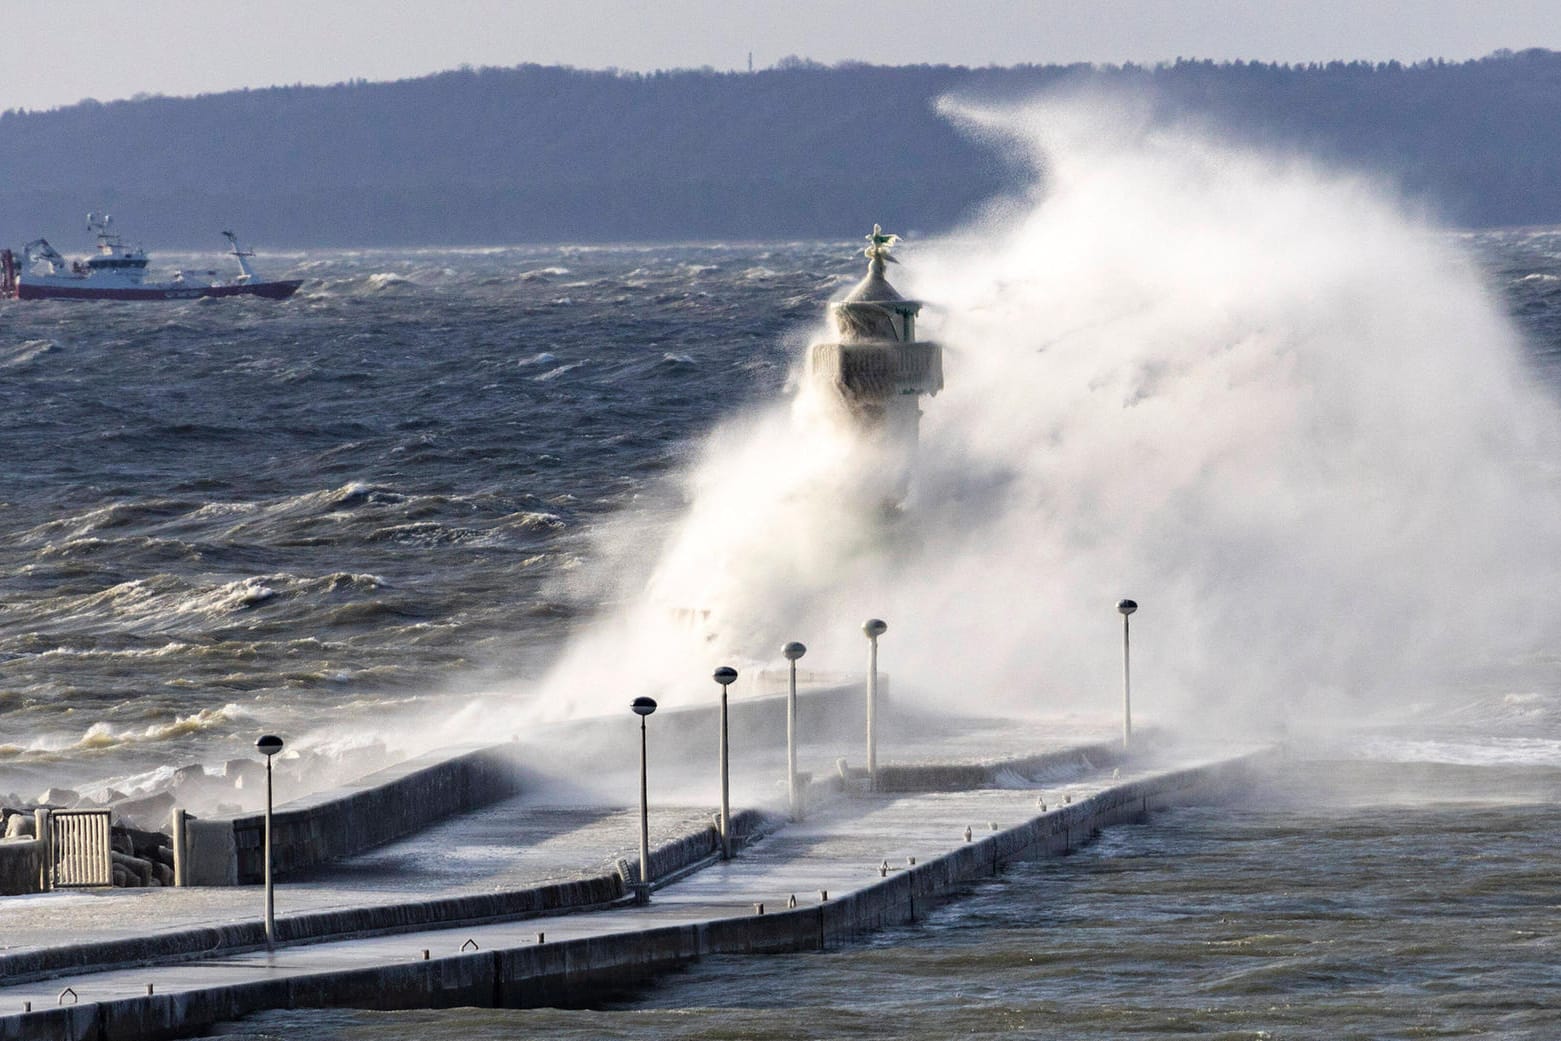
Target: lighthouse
876 366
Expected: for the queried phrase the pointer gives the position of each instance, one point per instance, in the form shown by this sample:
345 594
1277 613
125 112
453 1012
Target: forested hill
538 154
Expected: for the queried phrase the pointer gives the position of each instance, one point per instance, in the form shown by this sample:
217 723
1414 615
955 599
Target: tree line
553 154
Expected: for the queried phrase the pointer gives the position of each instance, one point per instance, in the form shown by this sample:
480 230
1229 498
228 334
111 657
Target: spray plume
1245 390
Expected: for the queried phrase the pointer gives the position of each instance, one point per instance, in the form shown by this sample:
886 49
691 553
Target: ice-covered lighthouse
876 365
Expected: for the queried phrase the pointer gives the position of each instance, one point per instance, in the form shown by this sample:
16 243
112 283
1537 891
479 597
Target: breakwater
617 950
602 889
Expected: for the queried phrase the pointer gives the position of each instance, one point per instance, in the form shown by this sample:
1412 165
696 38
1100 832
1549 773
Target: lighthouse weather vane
880 243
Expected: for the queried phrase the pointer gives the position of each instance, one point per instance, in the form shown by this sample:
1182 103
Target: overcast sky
56 52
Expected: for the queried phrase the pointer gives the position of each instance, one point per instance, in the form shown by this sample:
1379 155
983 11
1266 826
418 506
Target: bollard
910 861
993 824
793 901
758 908
148 990
27 1006
968 833
1068 798
883 870
823 896
425 954
181 857
1040 801
472 944
541 937
43 830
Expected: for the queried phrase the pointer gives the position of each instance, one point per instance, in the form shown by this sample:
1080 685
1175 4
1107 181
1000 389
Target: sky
57 53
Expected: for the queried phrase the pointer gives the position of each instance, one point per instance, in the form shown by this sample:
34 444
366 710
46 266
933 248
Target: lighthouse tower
876 365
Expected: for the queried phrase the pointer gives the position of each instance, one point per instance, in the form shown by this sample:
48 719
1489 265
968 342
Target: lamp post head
269 745
643 706
793 650
725 674
874 628
1127 607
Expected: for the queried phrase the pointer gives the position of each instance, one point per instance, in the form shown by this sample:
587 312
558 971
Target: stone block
19 826
141 869
144 844
59 798
245 774
148 812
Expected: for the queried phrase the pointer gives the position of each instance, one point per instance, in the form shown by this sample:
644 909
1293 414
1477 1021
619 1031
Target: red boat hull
269 290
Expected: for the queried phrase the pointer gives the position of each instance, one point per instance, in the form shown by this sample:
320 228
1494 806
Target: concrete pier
858 863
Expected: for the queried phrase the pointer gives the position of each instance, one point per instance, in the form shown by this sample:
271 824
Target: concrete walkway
1039 793
839 850
557 832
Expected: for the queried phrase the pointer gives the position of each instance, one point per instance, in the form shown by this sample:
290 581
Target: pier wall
410 796
587 969
21 865
599 890
350 819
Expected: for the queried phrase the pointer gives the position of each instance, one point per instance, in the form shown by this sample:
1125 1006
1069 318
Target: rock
123 878
163 855
119 842
162 874
192 784
144 844
147 812
245 774
59 798
19 826
188 774
142 869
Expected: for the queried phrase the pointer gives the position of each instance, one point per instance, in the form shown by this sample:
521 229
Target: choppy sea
225 515
229 514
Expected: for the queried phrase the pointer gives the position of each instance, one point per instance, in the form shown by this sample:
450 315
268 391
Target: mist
1255 394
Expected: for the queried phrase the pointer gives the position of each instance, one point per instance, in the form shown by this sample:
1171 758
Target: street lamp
792 651
643 707
725 676
874 628
1127 607
269 745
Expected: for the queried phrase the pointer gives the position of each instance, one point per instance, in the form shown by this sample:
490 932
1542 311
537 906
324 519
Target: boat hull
279 290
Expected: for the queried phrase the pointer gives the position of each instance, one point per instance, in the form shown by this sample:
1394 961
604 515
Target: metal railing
80 852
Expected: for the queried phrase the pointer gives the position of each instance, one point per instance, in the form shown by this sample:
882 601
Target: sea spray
1246 390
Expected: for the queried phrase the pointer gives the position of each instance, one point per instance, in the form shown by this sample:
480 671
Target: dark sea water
1312 909
229 514
226 515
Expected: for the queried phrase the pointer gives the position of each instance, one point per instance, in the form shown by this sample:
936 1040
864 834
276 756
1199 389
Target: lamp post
643 707
1127 607
725 676
269 745
874 628
792 651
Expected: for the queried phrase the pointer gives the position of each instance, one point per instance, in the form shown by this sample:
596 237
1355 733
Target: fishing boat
118 272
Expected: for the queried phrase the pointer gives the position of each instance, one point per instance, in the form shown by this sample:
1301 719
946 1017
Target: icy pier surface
858 861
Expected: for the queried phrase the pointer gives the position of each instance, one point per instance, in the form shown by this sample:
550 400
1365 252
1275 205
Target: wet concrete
841 848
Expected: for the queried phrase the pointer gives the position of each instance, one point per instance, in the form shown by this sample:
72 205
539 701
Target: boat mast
243 256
